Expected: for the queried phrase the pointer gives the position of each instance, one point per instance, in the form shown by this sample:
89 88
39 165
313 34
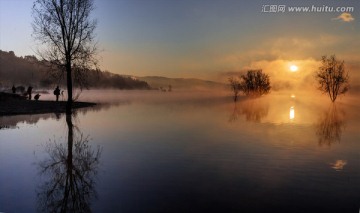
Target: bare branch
332 77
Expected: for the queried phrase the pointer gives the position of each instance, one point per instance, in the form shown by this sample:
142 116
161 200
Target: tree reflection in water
69 171
254 110
330 126
235 114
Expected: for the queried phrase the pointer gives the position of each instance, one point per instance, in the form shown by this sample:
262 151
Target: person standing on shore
57 93
29 91
13 89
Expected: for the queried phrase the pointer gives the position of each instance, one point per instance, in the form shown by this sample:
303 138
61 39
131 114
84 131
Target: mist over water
196 151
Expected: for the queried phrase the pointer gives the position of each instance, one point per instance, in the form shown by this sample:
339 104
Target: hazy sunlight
293 68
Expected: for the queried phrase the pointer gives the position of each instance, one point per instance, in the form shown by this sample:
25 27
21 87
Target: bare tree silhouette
332 77
254 83
235 87
330 126
69 171
66 30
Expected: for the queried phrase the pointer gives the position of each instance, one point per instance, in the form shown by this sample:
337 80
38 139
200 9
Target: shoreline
12 106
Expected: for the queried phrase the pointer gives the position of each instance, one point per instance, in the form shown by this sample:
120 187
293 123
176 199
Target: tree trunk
69 88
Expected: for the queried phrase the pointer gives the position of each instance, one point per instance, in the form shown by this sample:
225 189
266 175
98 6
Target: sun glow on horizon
294 68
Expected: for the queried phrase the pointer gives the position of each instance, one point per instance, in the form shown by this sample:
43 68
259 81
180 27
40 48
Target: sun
294 68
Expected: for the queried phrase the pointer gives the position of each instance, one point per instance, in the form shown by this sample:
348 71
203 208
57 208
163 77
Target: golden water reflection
276 110
292 113
338 165
254 110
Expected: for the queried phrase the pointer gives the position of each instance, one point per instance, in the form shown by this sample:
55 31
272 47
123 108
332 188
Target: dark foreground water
170 152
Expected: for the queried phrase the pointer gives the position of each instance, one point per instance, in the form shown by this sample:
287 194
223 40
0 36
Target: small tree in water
332 77
235 87
253 83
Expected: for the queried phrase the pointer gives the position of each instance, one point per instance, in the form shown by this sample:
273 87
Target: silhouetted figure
29 91
62 95
37 96
13 89
57 93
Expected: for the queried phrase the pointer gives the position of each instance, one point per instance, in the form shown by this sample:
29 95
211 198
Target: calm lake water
175 152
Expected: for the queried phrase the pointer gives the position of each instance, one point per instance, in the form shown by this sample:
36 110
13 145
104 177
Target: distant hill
19 70
29 71
181 83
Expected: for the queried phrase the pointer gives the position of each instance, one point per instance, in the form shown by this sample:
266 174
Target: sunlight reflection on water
292 113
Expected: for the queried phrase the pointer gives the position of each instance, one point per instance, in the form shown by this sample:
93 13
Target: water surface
175 152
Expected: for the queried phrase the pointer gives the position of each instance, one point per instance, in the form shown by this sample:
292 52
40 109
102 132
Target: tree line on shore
28 70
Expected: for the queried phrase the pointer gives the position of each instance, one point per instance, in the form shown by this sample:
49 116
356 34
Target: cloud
345 17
